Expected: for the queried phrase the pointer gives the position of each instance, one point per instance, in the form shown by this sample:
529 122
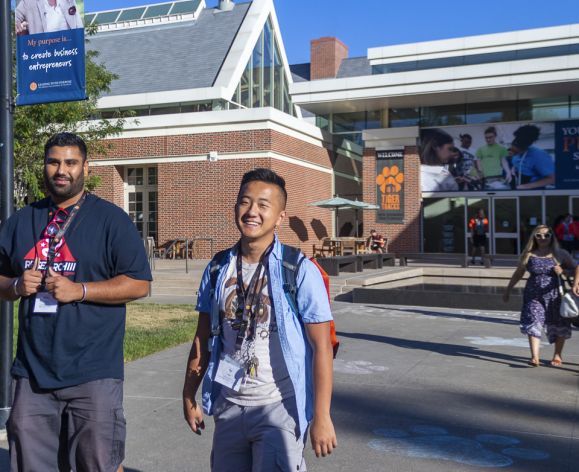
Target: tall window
141 198
264 81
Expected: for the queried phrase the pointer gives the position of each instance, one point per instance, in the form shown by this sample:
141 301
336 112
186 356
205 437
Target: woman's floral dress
541 301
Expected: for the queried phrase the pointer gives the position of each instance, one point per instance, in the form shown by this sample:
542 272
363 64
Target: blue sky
369 23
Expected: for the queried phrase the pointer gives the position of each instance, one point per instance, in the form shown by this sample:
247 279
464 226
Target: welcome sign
390 186
50 54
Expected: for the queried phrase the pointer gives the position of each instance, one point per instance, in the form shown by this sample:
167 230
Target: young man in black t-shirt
74 261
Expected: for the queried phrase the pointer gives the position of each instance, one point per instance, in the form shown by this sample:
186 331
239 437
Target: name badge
44 302
230 373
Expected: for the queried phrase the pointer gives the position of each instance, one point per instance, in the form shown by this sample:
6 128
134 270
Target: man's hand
192 412
323 436
63 289
21 28
30 281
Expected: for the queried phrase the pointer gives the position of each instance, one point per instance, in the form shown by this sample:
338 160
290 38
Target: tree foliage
34 124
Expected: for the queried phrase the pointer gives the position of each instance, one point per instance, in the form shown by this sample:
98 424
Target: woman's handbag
569 302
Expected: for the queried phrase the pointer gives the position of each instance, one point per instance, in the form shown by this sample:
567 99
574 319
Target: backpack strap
292 259
217 263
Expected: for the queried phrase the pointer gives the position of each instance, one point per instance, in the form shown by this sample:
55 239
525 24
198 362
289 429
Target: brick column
403 237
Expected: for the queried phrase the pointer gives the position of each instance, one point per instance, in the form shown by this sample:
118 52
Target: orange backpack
291 263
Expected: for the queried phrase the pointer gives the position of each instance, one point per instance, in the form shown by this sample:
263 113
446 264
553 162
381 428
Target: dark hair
432 139
491 129
265 175
65 139
465 135
525 136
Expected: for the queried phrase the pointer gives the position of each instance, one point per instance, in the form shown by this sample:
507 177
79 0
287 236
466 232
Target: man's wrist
83 298
15 283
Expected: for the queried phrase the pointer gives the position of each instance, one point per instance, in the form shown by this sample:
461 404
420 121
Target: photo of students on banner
512 156
50 53
46 16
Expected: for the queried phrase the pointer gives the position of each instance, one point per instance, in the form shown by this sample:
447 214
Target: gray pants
256 439
80 428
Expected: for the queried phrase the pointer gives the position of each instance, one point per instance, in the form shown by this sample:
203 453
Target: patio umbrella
362 206
340 203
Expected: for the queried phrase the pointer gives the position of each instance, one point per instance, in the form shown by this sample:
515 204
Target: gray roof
300 72
173 56
354 67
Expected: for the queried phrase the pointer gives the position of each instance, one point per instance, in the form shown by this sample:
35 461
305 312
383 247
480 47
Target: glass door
473 206
505 225
141 198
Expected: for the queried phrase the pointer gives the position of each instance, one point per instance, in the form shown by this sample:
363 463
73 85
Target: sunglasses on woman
543 236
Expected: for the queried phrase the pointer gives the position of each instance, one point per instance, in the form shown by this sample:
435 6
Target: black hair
265 175
66 139
465 135
525 136
492 130
431 140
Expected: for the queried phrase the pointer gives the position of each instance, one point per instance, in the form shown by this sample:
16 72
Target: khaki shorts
80 428
256 438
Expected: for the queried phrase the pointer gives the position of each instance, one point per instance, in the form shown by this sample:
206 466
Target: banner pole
6 199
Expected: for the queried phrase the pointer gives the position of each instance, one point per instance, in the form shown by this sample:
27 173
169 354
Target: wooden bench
369 261
333 265
386 259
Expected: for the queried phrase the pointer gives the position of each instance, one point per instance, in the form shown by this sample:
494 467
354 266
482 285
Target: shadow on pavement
516 362
439 314
375 417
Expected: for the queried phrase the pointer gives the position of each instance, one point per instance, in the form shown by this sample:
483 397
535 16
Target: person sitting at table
376 242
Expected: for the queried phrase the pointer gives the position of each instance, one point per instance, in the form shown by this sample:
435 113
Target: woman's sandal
533 363
556 362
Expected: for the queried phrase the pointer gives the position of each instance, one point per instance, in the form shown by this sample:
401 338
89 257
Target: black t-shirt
82 341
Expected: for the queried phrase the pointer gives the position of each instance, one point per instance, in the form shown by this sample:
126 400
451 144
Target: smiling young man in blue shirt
266 371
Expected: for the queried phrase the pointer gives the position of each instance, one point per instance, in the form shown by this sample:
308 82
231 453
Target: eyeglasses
53 227
543 236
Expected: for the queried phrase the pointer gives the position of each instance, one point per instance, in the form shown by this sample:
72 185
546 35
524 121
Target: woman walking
545 262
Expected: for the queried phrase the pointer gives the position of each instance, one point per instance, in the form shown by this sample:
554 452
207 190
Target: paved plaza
416 389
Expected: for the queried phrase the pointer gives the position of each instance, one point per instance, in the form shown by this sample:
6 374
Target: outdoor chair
348 246
326 249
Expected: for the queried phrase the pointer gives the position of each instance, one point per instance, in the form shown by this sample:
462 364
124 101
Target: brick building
431 132
217 106
450 127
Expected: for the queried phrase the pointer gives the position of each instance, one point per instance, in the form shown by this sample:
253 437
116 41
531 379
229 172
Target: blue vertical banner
567 152
50 55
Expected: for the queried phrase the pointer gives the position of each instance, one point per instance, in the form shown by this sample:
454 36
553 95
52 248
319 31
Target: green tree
34 124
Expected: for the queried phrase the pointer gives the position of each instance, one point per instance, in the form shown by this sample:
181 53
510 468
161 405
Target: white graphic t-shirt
271 382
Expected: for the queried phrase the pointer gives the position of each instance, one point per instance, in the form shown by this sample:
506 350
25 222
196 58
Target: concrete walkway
416 390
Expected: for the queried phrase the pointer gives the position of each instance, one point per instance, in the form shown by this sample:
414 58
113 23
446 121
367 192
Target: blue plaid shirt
313 306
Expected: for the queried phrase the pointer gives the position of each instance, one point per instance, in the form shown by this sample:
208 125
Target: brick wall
304 225
196 199
226 142
326 56
112 184
401 237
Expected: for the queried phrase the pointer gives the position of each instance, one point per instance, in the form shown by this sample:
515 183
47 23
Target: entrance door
141 198
473 205
505 226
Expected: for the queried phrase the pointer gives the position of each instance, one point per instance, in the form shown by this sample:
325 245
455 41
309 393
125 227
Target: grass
150 328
